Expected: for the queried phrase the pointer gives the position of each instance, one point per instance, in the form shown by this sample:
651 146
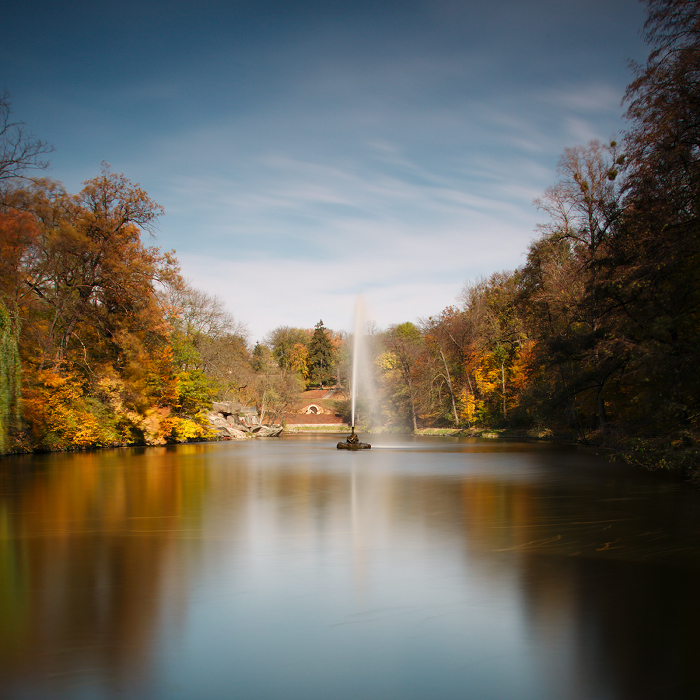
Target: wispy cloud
308 154
589 98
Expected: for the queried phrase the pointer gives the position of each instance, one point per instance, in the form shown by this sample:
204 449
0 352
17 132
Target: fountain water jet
360 366
356 340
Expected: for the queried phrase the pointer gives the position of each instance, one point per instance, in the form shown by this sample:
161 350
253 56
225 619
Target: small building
316 407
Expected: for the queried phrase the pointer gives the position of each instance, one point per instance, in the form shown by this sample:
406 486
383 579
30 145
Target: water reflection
274 569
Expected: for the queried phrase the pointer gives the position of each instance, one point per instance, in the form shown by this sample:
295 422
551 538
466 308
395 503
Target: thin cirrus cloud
305 153
401 280
405 267
318 227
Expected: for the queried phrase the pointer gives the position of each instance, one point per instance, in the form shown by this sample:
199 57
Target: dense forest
102 341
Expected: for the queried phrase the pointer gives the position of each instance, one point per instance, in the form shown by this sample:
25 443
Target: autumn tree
403 344
584 204
104 355
498 338
197 315
262 359
210 347
271 389
94 338
441 344
551 292
290 347
655 279
274 393
86 269
664 103
585 208
19 151
453 337
611 291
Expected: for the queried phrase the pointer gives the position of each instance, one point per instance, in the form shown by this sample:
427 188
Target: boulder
238 434
267 431
226 408
224 428
230 420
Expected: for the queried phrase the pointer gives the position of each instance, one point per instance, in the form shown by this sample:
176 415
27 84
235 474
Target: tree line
596 336
597 333
102 341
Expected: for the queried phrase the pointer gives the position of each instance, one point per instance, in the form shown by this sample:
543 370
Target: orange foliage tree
97 363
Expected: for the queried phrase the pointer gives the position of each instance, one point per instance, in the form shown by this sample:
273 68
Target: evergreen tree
321 356
261 358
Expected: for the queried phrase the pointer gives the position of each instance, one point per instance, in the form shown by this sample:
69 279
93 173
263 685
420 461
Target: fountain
353 442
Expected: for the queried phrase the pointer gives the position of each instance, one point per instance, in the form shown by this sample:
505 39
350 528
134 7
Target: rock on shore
233 421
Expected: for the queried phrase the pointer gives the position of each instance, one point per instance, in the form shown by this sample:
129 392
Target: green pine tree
321 356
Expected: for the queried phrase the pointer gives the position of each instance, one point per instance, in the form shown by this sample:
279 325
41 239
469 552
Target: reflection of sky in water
350 601
275 569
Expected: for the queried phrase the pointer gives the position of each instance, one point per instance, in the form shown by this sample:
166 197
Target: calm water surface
424 568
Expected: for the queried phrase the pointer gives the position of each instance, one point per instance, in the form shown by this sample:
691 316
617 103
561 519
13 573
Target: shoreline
679 461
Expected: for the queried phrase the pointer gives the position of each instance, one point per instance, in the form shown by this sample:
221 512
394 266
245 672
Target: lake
284 568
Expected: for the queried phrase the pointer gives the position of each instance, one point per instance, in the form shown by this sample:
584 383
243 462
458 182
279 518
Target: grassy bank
495 433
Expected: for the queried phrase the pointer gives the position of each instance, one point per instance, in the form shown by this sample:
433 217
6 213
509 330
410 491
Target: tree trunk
263 407
503 382
449 383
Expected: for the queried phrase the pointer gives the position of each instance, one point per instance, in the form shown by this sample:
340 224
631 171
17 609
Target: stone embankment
231 421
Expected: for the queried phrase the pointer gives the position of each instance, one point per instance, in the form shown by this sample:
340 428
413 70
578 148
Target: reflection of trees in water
621 629
97 549
607 572
607 581
86 539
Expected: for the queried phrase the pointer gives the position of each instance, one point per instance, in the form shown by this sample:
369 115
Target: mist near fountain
362 386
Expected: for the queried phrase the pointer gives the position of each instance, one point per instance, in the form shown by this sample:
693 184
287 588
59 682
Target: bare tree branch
19 149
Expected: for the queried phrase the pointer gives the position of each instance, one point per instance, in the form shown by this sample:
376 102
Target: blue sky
307 152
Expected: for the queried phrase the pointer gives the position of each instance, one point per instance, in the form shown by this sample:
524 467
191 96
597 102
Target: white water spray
358 330
362 376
